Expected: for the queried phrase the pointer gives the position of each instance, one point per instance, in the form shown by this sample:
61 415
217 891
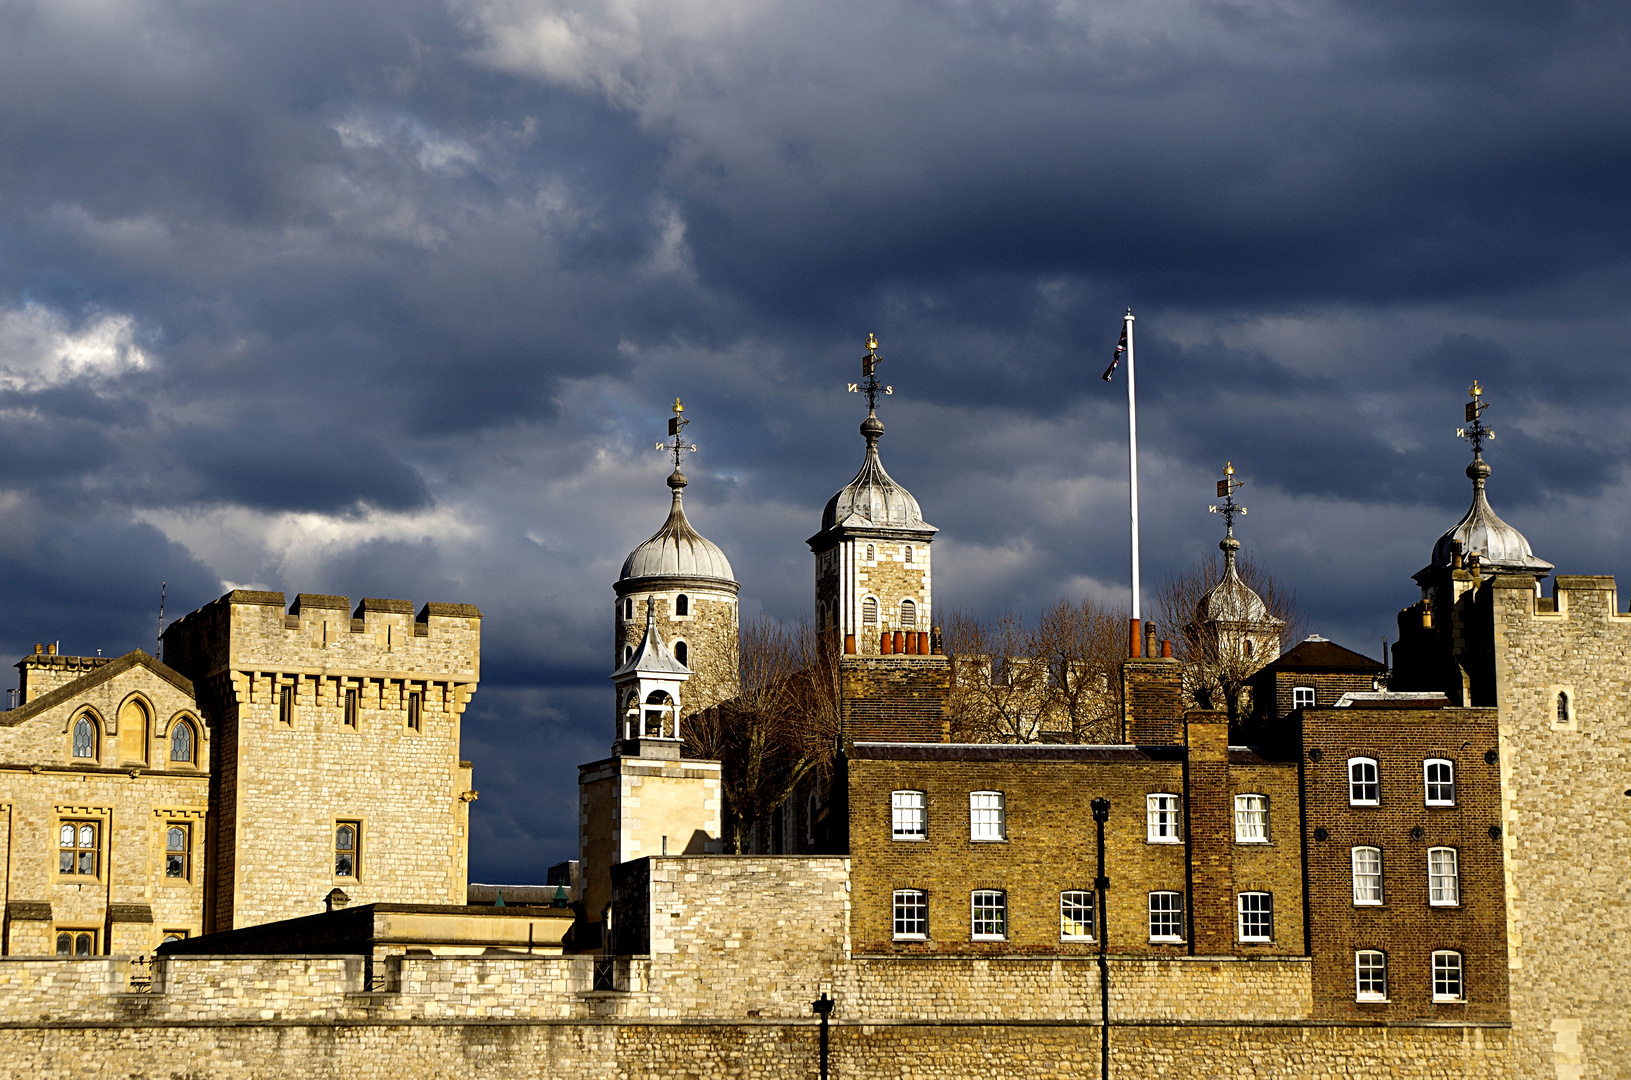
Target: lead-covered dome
873 498
676 549
1481 532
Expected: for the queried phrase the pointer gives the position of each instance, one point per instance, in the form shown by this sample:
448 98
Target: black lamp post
823 1008
1101 814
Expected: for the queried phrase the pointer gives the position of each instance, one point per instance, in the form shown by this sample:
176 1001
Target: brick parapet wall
895 698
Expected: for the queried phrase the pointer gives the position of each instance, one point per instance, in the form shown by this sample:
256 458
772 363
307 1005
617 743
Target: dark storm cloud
389 299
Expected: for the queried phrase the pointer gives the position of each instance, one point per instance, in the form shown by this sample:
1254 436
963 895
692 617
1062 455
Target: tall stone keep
687 579
873 571
334 750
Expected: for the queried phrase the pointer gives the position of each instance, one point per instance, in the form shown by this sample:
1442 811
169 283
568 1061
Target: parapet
248 630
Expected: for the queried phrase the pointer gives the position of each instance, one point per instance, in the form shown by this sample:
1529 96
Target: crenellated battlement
323 635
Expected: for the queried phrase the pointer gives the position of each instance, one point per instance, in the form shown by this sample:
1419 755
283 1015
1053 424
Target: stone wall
709 631
286 778
1567 821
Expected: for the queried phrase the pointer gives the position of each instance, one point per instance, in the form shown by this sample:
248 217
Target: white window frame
902 809
1171 911
1448 964
1303 697
1073 903
987 817
1000 906
911 908
1443 877
1365 899
1357 788
1258 907
1366 966
1434 791
1161 813
1251 819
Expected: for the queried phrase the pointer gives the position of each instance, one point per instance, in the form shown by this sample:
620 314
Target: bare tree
1057 682
781 727
1220 654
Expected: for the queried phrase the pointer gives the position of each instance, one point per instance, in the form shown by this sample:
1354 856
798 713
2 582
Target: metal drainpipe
1101 814
823 1006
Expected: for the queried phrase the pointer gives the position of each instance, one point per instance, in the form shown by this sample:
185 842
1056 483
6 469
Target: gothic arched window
908 614
181 741
85 738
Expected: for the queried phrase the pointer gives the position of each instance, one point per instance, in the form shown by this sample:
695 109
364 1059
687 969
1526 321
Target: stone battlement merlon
1596 595
322 635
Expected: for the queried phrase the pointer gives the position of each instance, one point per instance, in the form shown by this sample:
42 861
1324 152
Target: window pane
181 742
911 913
1440 781
1447 985
65 944
345 838
84 945
67 836
1302 697
1443 877
87 863
1370 975
990 913
1251 819
908 815
1256 916
1367 875
176 840
1161 812
84 738
65 864
1166 916
985 812
87 836
1076 915
343 865
1363 788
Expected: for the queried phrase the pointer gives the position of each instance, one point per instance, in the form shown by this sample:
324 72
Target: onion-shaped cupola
873 498
677 549
1232 626
1500 548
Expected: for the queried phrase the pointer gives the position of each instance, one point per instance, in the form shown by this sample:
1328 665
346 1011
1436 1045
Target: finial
676 426
869 383
1228 508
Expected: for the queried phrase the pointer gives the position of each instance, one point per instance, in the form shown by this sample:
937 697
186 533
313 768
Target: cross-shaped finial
676 425
869 376
1475 432
1226 491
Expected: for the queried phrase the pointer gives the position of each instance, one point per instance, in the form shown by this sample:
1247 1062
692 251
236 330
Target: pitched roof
1315 653
136 658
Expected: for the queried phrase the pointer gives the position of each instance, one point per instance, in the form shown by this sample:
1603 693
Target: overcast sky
390 298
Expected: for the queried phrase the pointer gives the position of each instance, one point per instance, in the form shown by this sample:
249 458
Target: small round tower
688 580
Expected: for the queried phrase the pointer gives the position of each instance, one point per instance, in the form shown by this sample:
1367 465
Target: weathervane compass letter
1475 432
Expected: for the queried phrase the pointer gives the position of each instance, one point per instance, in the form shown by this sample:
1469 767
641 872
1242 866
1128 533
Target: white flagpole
1132 477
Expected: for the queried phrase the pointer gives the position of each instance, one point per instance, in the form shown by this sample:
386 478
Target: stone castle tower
688 580
873 585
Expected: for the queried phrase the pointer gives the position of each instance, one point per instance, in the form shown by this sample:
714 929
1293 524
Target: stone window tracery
181 742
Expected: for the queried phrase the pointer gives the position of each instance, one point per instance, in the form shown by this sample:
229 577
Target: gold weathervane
869 383
1475 432
676 426
1226 491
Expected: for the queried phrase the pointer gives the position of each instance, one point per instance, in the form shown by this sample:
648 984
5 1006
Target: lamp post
1101 814
823 1006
